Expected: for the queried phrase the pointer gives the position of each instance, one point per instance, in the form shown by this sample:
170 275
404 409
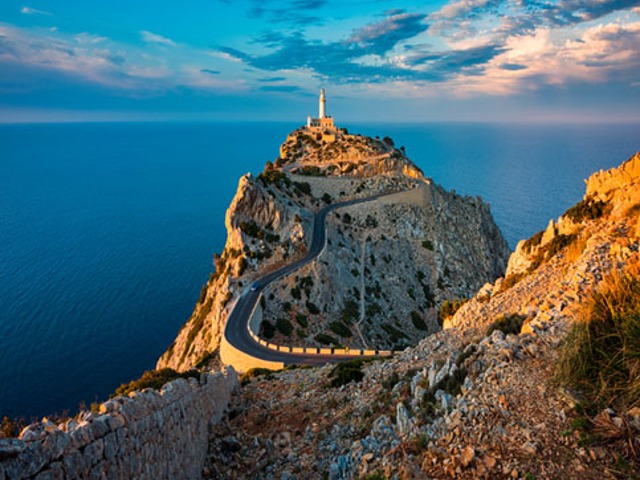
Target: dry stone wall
146 435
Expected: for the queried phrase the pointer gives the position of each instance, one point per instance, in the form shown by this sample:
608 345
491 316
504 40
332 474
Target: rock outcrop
387 265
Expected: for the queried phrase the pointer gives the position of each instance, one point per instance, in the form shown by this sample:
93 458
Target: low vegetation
507 324
324 339
428 244
601 355
267 329
533 241
154 379
255 373
284 326
587 209
340 329
347 372
449 308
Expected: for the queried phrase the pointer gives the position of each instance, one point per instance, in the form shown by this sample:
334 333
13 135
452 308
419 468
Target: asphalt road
236 331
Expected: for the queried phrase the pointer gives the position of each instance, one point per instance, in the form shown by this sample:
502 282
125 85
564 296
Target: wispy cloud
357 57
34 11
298 13
271 79
97 60
151 37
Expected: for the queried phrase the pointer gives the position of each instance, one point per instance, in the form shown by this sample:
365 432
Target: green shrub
373 309
341 329
449 308
255 373
428 244
587 209
559 243
153 379
313 308
346 218
284 326
296 293
507 324
601 354
326 198
418 321
251 228
273 177
324 339
395 335
350 311
302 320
267 330
303 187
346 372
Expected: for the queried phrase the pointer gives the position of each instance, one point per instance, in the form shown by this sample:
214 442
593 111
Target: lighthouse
323 104
323 122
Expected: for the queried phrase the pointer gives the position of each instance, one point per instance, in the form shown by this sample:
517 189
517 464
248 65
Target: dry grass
601 355
576 248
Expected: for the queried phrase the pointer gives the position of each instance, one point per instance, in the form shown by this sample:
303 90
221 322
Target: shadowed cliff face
387 264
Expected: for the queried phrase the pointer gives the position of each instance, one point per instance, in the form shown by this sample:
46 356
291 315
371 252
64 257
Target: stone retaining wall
147 435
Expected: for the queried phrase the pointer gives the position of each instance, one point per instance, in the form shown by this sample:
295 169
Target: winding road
236 331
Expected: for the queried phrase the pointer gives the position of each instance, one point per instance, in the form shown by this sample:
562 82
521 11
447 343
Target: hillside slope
466 402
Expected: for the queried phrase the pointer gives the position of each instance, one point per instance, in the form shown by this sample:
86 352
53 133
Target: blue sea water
107 231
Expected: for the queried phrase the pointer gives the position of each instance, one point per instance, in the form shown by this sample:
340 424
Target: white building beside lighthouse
323 122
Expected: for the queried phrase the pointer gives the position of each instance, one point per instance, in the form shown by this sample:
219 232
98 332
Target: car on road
255 286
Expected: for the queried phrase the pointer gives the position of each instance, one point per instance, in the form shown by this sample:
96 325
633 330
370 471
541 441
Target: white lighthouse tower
323 104
323 122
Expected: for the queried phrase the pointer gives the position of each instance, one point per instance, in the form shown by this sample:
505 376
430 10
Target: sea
108 230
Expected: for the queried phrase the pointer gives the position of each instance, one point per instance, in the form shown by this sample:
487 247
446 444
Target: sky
393 61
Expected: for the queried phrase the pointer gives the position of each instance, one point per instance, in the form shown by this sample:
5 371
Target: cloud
280 88
151 37
228 54
34 54
576 11
465 8
271 79
34 11
89 39
602 54
298 13
380 37
358 58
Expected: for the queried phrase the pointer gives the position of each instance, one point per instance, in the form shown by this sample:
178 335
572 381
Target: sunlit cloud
151 37
34 11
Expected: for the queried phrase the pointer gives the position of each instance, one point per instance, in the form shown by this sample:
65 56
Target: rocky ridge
466 402
425 236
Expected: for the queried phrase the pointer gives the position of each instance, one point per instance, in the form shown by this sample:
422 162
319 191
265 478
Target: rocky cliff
387 265
480 398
